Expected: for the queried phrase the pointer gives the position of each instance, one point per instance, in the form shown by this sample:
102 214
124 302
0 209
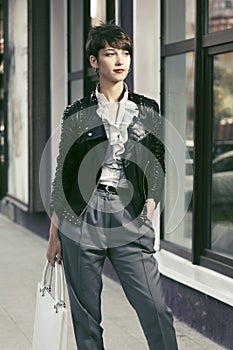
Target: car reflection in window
222 200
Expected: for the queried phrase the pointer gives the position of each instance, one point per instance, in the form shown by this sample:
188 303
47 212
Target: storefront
183 58
25 124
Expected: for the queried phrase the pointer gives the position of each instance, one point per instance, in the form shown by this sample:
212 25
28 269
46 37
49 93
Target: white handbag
51 315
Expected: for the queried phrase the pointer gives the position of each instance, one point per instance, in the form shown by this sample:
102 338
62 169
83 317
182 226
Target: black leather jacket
82 150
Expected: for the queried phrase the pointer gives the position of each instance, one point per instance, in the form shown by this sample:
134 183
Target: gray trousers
109 229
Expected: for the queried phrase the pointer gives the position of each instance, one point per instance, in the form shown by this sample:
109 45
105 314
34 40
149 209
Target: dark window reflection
222 175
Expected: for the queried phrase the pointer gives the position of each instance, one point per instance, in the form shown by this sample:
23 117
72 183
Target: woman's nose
119 60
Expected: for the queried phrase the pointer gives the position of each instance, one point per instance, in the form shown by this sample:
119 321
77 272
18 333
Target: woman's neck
112 92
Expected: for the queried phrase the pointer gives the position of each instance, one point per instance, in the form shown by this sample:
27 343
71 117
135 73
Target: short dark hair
110 34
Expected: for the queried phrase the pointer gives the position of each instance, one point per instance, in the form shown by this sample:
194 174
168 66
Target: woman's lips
119 70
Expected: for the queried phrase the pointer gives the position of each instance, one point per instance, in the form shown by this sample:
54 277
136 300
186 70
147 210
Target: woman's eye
110 54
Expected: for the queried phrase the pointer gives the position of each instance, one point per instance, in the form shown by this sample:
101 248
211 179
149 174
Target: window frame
205 45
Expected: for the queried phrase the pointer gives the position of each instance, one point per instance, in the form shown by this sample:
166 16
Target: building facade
183 58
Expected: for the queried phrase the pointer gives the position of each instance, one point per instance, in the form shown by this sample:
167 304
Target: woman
108 182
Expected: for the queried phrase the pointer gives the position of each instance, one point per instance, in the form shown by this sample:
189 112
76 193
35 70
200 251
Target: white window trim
197 277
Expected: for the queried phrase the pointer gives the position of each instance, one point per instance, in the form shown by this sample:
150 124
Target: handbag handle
59 278
59 282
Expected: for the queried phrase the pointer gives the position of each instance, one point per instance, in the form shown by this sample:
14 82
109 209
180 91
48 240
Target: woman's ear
93 61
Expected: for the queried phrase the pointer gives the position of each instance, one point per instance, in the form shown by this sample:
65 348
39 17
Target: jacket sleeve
65 170
156 168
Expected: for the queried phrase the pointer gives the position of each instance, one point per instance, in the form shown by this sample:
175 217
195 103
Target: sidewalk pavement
22 259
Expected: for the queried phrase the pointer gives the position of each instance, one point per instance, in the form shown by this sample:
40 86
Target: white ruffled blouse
116 117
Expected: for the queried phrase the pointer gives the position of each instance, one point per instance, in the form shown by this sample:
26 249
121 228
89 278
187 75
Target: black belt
107 188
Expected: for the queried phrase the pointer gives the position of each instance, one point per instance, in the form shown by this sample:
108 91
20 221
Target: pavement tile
11 336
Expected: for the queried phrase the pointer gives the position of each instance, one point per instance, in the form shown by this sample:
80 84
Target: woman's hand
54 246
54 249
151 206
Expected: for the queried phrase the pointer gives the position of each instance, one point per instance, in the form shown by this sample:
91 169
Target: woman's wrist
53 231
55 222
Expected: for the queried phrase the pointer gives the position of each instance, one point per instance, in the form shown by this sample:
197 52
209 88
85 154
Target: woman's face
113 64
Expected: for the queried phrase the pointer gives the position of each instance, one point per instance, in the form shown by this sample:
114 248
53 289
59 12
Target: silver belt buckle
108 190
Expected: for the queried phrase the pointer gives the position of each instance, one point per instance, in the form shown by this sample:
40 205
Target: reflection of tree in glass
223 92
223 87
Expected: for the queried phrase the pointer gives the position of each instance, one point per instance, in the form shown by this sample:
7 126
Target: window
220 15
178 108
17 101
222 169
197 75
75 49
180 20
179 102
